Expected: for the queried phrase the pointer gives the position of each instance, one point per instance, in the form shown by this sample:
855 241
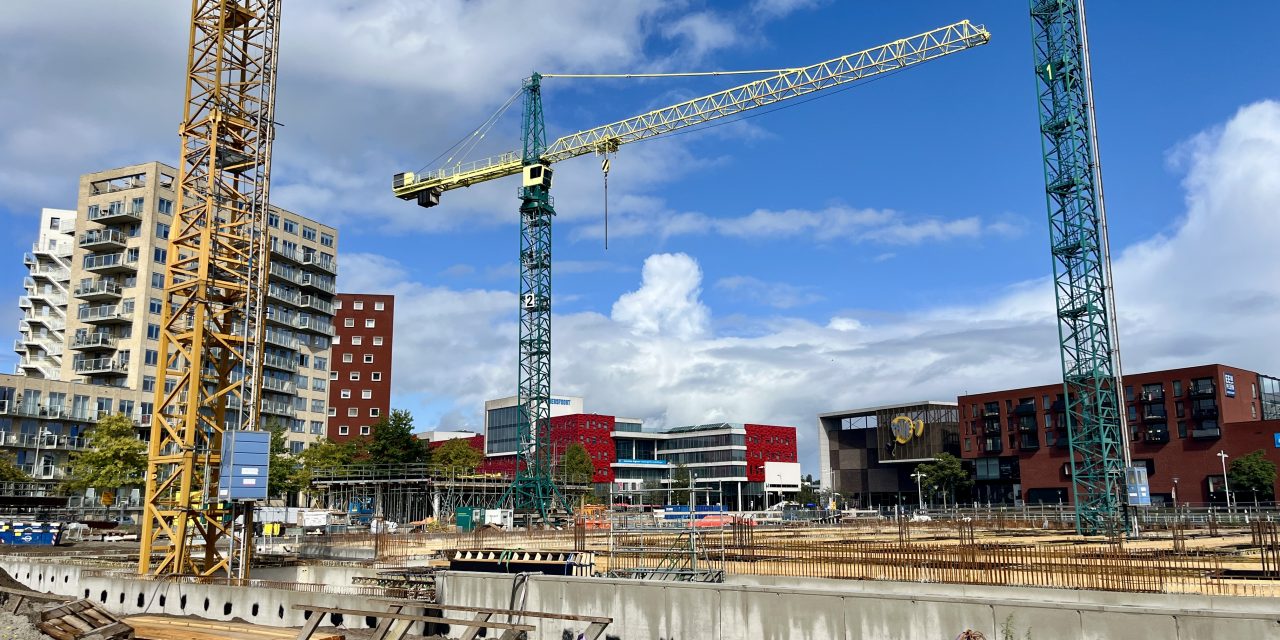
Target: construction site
423 551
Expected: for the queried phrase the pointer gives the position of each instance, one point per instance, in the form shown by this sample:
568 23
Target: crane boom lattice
1078 240
214 281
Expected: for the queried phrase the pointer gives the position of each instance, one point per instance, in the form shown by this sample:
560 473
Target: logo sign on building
1229 384
904 429
1135 479
635 461
1277 440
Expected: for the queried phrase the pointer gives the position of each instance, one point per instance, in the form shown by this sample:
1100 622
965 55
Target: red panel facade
591 430
767 443
360 363
1178 420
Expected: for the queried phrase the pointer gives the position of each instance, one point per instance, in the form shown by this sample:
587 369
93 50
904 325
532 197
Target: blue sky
886 243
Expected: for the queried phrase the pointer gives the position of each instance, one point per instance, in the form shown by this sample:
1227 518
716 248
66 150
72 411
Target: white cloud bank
1207 292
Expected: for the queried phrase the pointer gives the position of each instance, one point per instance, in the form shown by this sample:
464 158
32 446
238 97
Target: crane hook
604 168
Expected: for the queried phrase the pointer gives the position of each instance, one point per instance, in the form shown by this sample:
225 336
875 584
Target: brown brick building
360 375
1178 420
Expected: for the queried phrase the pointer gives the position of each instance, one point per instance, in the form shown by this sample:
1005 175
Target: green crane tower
1081 266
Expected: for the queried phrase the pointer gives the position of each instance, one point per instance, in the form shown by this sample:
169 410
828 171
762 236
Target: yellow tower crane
533 490
213 311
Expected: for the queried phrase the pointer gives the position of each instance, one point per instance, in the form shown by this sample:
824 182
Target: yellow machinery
213 308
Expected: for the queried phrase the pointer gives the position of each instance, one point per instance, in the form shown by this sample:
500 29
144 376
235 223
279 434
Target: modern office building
41 345
868 455
116 278
1178 421
360 372
501 418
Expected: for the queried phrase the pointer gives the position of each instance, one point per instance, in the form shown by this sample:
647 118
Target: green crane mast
1081 266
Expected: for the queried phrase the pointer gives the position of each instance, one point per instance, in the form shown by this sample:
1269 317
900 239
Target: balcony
107 263
278 408
1155 413
98 290
52 322
315 325
1025 409
93 341
991 428
991 445
290 255
1204 413
57 250
1029 442
1202 390
990 412
318 304
102 240
112 213
1058 406
1155 435
324 263
45 472
1152 397
279 386
57 274
1206 433
48 441
283 295
106 314
318 282
46 367
1027 426
281 340
284 363
100 366
51 298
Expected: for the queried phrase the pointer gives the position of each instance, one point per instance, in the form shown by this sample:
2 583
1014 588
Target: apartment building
116 276
42 329
360 376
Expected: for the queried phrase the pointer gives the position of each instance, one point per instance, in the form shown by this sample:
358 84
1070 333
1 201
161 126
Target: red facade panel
361 362
592 431
767 443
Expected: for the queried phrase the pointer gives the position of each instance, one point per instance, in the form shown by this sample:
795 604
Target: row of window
369 323
375 376
291 226
359 340
345 430
358 305
354 412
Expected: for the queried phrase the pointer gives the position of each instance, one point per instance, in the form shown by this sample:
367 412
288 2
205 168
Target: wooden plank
529 614
34 595
165 628
406 616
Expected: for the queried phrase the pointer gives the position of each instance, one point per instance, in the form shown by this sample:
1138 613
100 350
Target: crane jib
790 83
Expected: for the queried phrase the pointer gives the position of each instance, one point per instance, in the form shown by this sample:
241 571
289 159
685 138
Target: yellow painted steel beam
212 316
786 84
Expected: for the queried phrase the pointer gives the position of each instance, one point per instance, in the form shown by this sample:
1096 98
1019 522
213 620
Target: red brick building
360 371
1178 420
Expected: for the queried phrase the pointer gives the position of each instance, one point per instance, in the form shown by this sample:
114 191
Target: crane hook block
537 175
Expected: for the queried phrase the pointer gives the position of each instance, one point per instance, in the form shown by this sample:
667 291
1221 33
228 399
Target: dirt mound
8 582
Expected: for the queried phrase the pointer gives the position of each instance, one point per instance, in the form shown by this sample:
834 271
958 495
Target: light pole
1175 493
1226 484
919 475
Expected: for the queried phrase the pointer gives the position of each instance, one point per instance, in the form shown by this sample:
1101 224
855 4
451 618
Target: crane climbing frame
212 316
533 488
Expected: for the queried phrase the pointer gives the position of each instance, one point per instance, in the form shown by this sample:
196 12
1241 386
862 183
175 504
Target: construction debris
83 619
167 628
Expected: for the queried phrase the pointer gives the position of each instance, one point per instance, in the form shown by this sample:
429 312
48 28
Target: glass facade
1270 388
503 433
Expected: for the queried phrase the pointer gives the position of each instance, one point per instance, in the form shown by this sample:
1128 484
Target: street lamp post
1175 493
1226 484
918 475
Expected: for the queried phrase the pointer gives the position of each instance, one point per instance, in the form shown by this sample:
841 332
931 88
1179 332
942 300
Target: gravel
17 628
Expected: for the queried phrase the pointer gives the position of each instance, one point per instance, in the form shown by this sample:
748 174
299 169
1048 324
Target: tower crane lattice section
533 490
1081 266
212 313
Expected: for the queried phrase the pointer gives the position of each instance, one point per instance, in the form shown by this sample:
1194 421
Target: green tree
285 473
393 442
1252 472
680 478
118 458
10 471
457 453
577 464
326 455
947 474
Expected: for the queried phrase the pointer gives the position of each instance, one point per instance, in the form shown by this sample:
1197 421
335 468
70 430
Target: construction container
463 517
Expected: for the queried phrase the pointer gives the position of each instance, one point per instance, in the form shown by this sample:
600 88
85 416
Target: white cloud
1205 293
779 295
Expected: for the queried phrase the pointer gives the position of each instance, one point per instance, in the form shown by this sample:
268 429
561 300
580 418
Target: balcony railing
281 340
92 366
112 213
279 386
1156 436
283 295
1152 396
48 441
1157 412
323 262
51 298
278 408
85 341
58 249
1208 412
317 281
110 262
1202 390
51 273
102 238
992 445
313 302
317 325
52 322
280 362
1209 433
106 313
98 288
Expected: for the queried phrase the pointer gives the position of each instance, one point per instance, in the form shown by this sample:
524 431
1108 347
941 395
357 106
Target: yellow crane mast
212 318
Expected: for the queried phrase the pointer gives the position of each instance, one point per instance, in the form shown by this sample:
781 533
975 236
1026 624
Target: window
296 447
152 357
333 411
345 393
309 233
336 340
369 323
303 359
349 322
376 376
302 382
1177 388
352 412
374 412
377 341
1128 393
317 427
318 383
326 239
343 430
317 405
337 304
135 206
157 280
347 357
154 305
290 226
357 340
358 305
164 206
364 431
162 230
160 255
273 220
54 223
368 358
366 394
321 363
355 375
379 306
295 426
333 375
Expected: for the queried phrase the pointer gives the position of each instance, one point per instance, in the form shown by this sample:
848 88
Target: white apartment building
42 329
110 319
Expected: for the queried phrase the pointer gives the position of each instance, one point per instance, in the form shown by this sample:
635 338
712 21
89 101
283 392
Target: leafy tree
1252 472
457 453
285 473
326 454
10 471
680 478
807 495
118 458
393 441
577 464
947 474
